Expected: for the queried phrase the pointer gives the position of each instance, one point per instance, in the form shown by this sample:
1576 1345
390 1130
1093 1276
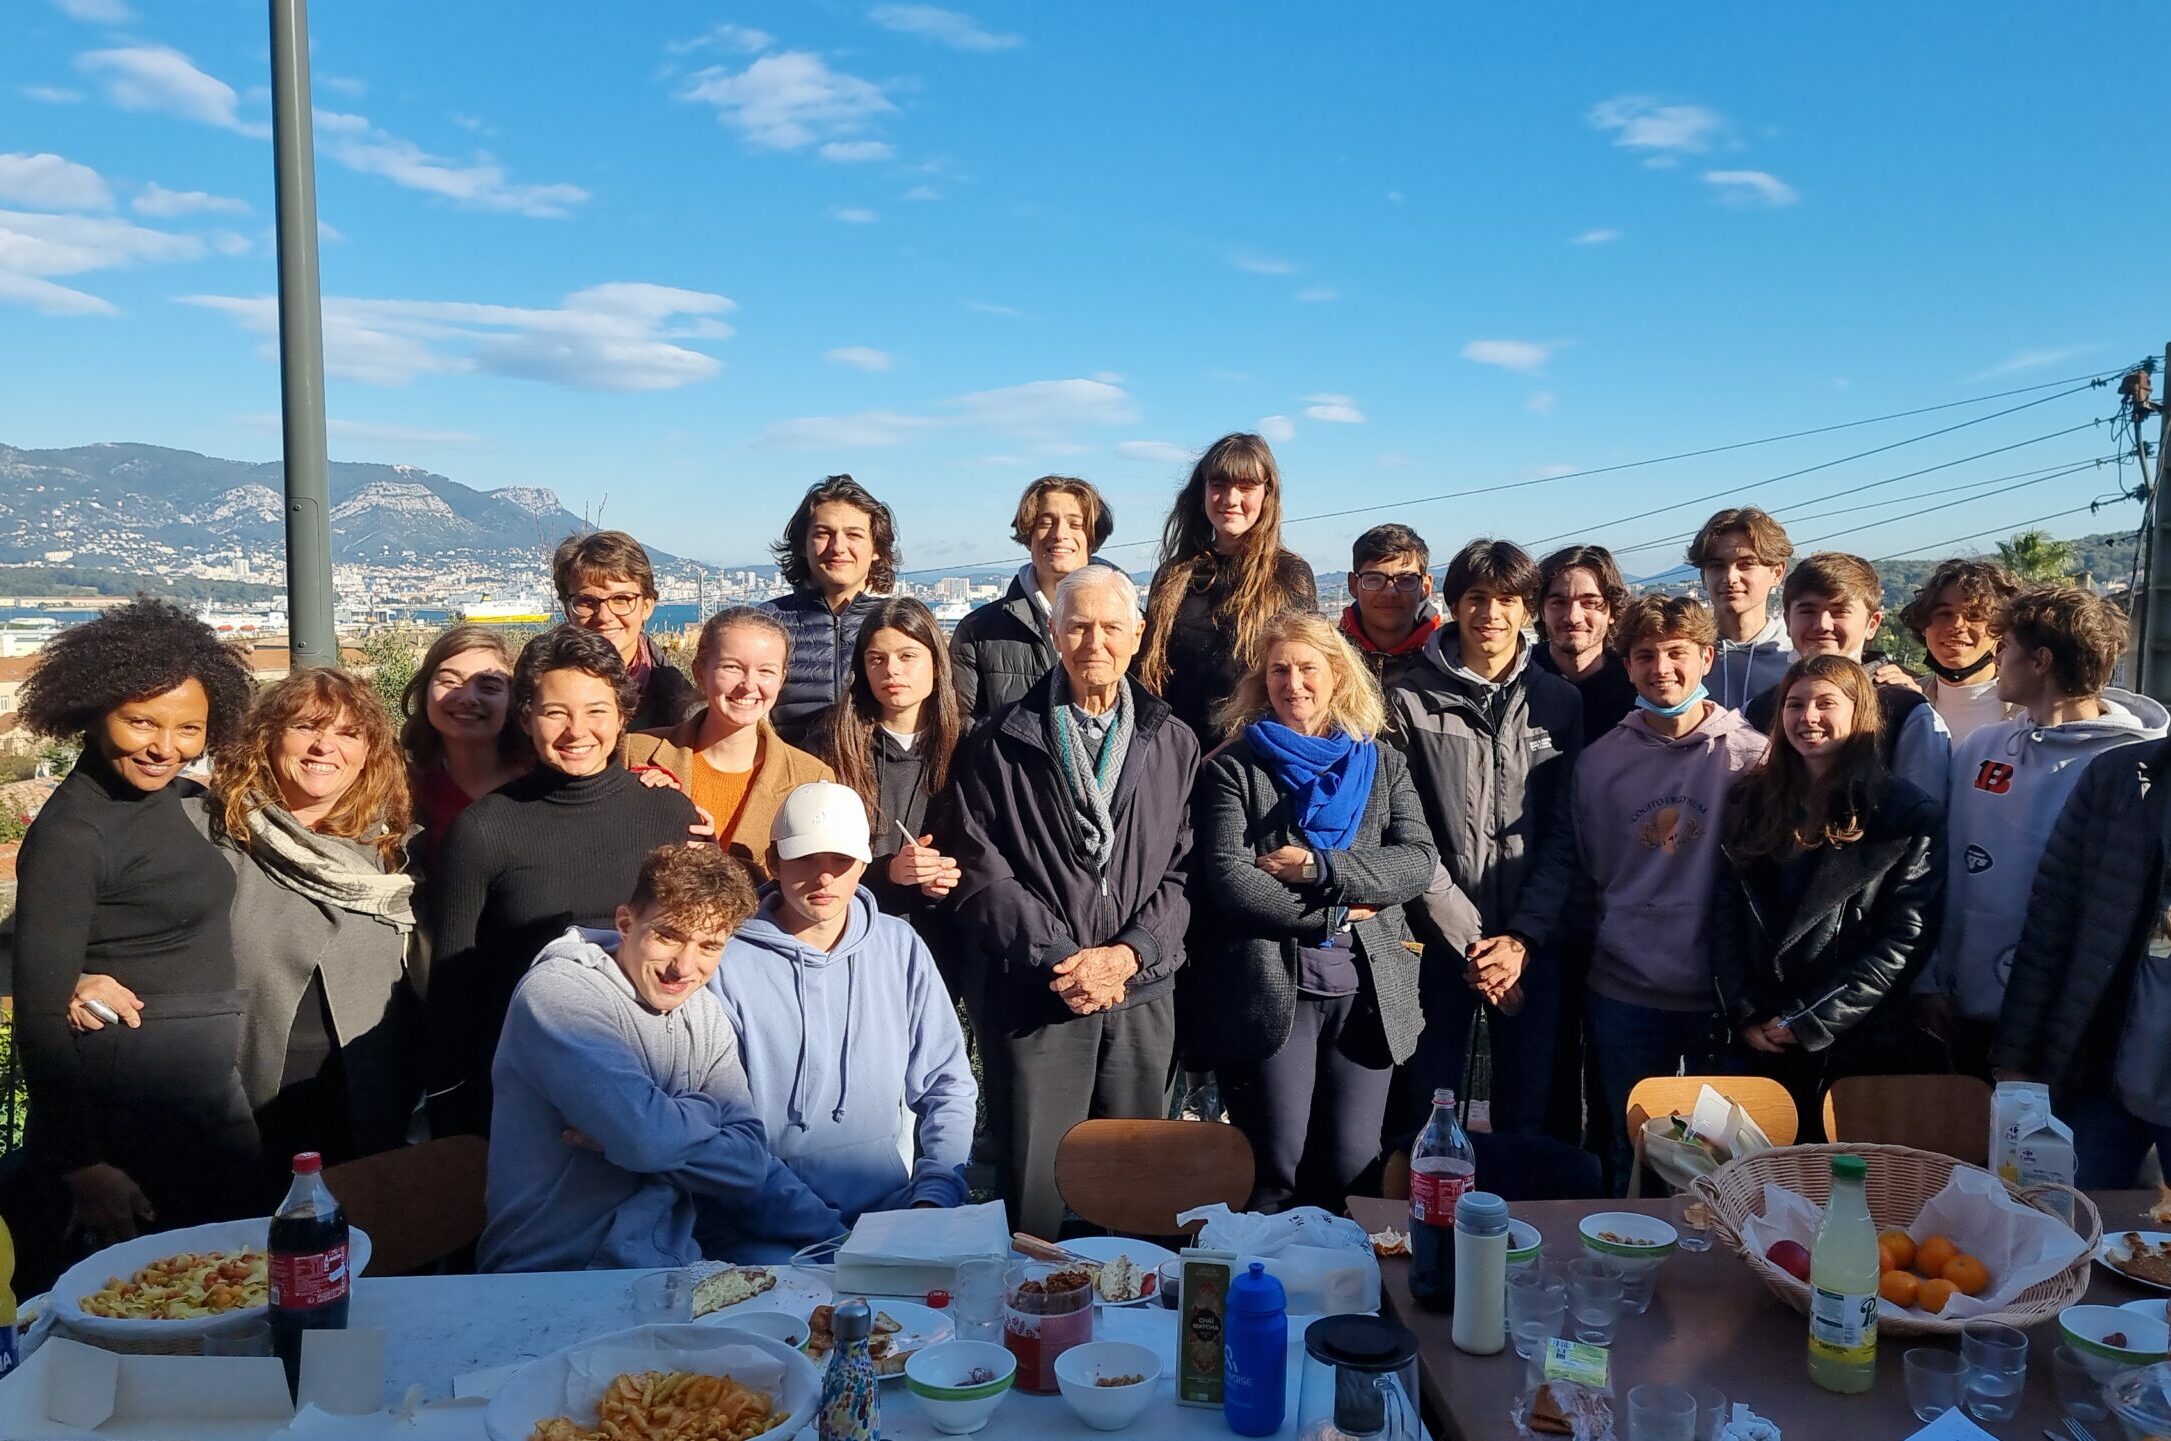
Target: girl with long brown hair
1223 574
456 733
1831 895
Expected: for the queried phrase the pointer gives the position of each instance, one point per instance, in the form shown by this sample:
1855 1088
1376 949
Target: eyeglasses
1409 582
584 606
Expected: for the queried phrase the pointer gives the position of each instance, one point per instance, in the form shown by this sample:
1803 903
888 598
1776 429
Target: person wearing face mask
311 810
606 584
845 1030
1650 796
1223 574
558 847
839 556
726 755
622 1114
1742 554
999 650
1955 615
1831 896
456 730
1391 613
1583 598
138 1123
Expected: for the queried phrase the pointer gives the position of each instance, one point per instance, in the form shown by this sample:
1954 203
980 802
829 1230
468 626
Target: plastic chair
1946 1114
420 1203
1133 1177
1766 1101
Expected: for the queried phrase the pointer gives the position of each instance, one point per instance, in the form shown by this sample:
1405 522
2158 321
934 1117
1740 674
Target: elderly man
1072 818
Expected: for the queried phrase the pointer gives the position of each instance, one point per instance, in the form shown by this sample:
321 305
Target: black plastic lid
1360 1343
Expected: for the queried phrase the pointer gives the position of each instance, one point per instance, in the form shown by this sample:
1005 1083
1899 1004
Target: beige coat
780 770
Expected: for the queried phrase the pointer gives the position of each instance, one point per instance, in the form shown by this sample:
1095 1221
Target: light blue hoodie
665 1098
837 1044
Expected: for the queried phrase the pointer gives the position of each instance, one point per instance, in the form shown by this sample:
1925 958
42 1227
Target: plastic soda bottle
1442 1167
1843 1275
308 1264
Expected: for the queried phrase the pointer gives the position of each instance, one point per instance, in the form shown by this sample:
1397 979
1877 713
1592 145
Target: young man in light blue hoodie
844 1025
620 1104
2056 654
1742 555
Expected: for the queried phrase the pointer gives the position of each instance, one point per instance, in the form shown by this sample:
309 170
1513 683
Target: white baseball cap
821 817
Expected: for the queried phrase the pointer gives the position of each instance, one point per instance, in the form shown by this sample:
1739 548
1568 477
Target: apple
1791 1257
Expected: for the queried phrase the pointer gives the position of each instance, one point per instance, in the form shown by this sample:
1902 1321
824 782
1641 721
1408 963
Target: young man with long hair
1000 650
1584 599
838 554
1955 614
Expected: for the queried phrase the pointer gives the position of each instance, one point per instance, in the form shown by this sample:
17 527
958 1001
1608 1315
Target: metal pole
301 345
2156 605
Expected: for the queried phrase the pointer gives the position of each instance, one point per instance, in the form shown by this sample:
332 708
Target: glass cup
2080 1389
1933 1381
1594 1298
1712 1412
1537 1304
664 1296
1997 1368
976 1299
1692 1222
1171 1283
252 1338
1658 1412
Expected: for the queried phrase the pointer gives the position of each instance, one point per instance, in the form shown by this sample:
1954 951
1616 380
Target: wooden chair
1946 1114
1766 1101
1132 1177
419 1203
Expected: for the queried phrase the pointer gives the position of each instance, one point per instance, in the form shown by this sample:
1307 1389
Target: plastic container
307 1243
2141 1400
1442 1167
1481 1274
1255 1347
1046 1311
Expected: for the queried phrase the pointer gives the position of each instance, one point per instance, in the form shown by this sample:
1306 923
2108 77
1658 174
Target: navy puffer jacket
821 669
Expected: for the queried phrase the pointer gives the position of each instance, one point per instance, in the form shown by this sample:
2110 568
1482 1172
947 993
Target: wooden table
1713 1323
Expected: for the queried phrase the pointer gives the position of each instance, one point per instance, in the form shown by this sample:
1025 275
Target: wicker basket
1901 1182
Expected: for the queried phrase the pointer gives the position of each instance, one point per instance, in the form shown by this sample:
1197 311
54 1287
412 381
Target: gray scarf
327 871
1091 784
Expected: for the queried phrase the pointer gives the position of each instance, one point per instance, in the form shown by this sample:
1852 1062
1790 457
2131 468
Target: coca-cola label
1433 1195
303 1283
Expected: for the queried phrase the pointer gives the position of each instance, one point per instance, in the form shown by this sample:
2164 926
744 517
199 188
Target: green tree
392 655
2033 557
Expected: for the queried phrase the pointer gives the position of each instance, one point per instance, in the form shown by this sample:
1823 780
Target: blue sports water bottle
1255 1348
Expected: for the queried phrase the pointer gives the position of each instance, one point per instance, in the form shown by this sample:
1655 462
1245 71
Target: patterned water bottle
851 1408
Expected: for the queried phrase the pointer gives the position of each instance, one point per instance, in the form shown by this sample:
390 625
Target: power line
2047 472
1964 500
2007 529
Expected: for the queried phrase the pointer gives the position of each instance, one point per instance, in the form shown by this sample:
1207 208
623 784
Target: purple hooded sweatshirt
1647 816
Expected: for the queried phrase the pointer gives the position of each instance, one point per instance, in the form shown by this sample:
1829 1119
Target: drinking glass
1692 1221
1933 1381
1537 1304
976 1300
1712 1413
1658 1412
1594 1296
2080 1389
1997 1368
252 1338
664 1296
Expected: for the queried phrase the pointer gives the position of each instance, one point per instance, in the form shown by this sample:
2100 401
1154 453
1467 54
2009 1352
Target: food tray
167 1338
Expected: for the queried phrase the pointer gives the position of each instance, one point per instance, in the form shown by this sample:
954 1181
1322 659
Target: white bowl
125 1258
538 1390
936 1378
776 1325
1626 1237
1079 1370
1525 1243
2147 1339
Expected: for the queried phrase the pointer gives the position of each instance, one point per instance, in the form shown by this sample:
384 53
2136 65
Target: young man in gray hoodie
1649 796
1742 555
621 1108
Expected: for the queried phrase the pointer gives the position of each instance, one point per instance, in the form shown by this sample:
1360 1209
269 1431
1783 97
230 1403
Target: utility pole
301 345
2156 605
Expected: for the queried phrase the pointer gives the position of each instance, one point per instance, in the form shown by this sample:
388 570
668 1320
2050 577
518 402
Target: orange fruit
1931 1255
1932 1295
1968 1275
1897 1249
1901 1288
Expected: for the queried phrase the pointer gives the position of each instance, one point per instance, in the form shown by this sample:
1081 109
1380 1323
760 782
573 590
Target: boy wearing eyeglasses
1390 615
606 585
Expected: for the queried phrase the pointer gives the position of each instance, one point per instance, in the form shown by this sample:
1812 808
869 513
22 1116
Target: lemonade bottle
10 1351
1843 1273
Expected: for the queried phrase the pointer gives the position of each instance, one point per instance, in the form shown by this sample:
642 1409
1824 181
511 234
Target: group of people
720 963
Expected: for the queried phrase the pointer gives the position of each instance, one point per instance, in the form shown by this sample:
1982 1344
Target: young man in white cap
843 1025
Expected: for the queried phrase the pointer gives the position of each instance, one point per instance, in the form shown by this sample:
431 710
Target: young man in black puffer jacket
839 555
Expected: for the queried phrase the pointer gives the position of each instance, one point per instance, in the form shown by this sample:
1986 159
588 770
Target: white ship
248 620
524 608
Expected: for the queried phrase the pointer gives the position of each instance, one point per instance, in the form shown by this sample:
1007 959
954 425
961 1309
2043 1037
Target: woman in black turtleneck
560 846
122 903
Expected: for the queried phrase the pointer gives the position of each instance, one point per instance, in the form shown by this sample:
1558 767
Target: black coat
998 651
1237 997
821 666
2089 916
1203 663
1843 954
1029 898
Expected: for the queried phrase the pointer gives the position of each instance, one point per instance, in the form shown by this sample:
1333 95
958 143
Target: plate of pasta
173 1285
659 1383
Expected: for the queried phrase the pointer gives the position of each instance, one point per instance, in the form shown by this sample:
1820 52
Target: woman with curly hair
310 809
457 730
123 910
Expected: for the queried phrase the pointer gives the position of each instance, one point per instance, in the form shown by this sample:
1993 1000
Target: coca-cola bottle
1442 1167
308 1256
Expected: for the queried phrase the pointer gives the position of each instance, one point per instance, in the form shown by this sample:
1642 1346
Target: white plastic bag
1256 1234
1324 1262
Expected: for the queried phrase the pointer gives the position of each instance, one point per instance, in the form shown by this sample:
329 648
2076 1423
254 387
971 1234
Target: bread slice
730 1286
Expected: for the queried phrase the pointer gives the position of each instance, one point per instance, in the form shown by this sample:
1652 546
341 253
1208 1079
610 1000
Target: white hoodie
2009 781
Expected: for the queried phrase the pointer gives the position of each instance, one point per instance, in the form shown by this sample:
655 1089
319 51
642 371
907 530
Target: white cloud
49 182
622 336
1341 409
328 231
480 184
1158 451
1278 428
340 84
1596 237
35 247
229 243
1541 402
948 27
850 152
1262 264
46 297
472 123
1108 377
859 357
1527 356
1752 187
161 80
1008 312
97 12
1315 294
1640 122
724 37
788 101
366 431
2032 360
52 94
854 214
923 192
867 430
1048 412
157 200
1395 197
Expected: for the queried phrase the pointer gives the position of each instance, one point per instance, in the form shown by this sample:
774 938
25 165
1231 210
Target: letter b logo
1995 777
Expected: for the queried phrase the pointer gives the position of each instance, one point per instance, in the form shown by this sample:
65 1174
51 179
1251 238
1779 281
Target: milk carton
2028 1145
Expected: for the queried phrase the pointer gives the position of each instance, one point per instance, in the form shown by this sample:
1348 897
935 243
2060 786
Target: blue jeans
1522 1043
1630 1042
2109 1141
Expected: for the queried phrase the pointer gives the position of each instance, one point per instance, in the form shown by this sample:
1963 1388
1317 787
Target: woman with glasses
606 585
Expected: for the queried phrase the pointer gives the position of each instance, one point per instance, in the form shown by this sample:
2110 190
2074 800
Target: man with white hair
1072 813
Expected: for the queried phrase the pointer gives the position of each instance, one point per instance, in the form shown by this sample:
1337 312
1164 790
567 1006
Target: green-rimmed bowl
2147 1338
1627 1236
1525 1243
935 1375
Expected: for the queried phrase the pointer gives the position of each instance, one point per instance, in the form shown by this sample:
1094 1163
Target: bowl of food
960 1383
1525 1244
1107 1384
1636 1243
2114 1339
709 1380
177 1286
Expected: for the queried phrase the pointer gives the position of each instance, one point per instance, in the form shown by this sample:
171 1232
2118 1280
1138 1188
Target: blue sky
690 258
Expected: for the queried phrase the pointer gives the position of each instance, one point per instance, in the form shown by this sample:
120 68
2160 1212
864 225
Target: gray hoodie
665 1098
1743 670
2009 781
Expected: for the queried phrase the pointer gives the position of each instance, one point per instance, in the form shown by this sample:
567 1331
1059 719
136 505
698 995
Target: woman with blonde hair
1310 838
1223 574
310 807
